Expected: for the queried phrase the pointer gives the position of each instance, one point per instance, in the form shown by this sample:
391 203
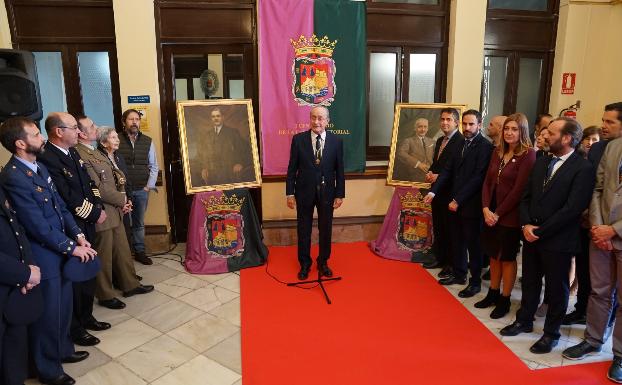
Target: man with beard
559 189
54 237
138 151
465 173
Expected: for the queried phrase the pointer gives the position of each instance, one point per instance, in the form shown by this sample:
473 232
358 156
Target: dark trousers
83 295
554 267
582 272
466 232
441 228
49 336
304 214
14 350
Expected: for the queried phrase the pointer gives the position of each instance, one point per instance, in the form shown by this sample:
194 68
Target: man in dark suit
558 191
223 156
18 276
315 178
54 237
466 172
79 193
444 150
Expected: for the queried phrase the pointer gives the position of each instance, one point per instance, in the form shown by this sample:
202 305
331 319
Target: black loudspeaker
19 87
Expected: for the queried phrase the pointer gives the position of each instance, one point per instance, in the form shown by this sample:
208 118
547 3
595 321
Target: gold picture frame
218 144
401 171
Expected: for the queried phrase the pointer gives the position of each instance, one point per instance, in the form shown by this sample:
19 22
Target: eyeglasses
72 127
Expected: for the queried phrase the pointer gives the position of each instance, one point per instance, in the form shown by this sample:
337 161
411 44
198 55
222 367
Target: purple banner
280 115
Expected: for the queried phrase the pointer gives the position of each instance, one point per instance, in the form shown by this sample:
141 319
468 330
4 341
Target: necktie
620 174
467 143
443 144
425 153
549 170
318 149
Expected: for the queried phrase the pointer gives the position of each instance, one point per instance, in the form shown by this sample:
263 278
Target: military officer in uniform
80 195
110 238
18 277
54 238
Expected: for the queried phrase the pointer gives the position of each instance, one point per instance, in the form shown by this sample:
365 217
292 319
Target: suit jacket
74 185
218 153
50 227
412 151
606 204
15 253
440 161
557 206
109 180
304 176
507 186
596 152
465 172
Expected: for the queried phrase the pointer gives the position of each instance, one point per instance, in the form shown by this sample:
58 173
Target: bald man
495 129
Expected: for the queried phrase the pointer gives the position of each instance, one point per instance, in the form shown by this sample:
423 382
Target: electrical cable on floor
285 283
161 255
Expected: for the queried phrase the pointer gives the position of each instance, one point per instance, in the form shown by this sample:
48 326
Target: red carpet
390 323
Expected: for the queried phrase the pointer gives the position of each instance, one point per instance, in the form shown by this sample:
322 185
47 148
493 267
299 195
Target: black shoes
75 357
303 273
615 370
489 300
502 308
434 264
445 272
580 351
324 270
97 325
63 379
515 329
113 303
574 318
469 291
86 339
140 289
451 280
419 257
142 258
544 345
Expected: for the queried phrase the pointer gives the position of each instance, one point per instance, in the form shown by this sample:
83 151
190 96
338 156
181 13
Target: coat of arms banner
311 53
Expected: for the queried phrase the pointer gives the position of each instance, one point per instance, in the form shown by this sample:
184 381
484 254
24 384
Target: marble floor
520 344
187 332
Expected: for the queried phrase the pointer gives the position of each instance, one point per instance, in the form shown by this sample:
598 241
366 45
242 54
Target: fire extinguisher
571 112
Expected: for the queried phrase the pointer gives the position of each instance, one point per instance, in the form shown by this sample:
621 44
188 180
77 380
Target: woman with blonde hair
507 175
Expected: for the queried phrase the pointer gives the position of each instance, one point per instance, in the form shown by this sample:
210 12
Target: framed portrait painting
218 144
416 128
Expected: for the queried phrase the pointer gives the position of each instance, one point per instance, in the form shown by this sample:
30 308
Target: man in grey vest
142 170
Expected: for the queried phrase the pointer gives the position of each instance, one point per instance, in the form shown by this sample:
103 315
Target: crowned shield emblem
415 227
224 226
313 71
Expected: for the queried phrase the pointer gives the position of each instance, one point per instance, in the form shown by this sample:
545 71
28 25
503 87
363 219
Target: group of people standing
559 201
64 241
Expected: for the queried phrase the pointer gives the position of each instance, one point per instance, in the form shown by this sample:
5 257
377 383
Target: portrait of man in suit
416 129
219 144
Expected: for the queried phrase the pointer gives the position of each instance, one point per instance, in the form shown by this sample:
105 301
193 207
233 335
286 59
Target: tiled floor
571 335
187 332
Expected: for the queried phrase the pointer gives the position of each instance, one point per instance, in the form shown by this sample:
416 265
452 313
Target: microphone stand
319 281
